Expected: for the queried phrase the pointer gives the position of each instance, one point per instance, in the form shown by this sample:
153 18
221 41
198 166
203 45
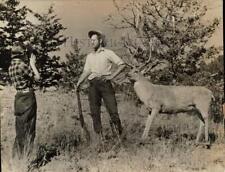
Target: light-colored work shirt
100 63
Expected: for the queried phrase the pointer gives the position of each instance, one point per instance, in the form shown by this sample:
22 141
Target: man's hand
83 76
107 78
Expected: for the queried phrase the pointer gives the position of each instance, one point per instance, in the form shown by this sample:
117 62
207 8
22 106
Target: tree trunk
224 120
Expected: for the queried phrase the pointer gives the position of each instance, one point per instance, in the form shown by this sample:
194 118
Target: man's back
20 74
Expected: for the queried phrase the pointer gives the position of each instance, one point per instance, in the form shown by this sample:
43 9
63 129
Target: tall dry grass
170 144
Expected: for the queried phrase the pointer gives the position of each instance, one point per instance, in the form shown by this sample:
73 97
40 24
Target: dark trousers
25 107
103 89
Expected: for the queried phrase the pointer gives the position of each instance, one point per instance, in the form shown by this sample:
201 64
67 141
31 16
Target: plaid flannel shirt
20 74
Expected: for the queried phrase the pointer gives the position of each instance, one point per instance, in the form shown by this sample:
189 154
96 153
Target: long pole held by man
85 131
98 71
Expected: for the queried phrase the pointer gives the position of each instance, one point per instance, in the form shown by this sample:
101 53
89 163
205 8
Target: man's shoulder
102 50
88 55
108 50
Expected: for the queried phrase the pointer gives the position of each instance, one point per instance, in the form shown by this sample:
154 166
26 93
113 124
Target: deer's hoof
196 144
143 142
206 145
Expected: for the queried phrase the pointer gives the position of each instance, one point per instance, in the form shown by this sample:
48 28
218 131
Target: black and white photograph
112 86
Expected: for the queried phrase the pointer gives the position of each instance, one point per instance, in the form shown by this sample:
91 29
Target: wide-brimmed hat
100 34
94 32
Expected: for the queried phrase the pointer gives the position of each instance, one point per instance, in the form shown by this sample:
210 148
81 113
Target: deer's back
172 97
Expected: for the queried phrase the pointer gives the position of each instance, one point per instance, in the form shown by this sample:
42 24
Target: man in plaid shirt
25 106
20 73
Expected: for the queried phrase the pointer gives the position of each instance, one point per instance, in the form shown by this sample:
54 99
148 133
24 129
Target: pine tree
42 38
48 38
73 66
12 30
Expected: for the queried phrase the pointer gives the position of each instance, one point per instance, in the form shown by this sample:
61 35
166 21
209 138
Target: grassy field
170 144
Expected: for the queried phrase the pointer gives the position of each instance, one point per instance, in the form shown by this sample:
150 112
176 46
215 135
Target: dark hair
99 34
22 56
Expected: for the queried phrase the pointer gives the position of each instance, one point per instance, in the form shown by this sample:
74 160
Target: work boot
117 130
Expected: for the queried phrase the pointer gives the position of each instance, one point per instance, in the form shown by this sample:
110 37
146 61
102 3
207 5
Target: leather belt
25 90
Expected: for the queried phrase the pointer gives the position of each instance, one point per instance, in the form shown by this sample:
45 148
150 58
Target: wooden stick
81 118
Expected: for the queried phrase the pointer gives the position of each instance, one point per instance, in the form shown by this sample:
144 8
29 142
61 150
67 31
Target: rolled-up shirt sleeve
114 58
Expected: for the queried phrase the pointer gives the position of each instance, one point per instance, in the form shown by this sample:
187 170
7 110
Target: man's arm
116 60
33 67
118 71
83 76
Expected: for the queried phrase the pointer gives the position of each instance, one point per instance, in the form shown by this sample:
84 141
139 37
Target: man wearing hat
97 69
22 76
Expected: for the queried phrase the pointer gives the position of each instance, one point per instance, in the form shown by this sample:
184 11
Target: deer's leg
201 125
205 120
149 122
206 129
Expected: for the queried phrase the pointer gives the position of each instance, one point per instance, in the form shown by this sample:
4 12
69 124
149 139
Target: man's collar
99 50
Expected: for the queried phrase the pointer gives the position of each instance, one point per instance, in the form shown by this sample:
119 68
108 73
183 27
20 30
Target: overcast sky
80 16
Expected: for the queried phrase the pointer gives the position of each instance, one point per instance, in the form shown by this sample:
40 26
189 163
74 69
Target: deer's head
139 69
137 73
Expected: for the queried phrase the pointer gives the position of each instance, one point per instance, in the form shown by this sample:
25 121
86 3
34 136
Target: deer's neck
144 89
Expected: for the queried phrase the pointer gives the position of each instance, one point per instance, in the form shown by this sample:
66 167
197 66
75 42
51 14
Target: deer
171 100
